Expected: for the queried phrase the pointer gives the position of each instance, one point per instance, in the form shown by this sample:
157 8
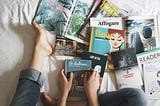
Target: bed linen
17 44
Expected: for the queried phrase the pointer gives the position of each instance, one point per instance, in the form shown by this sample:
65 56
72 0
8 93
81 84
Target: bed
17 44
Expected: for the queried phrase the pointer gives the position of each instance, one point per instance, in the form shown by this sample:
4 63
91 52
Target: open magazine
63 16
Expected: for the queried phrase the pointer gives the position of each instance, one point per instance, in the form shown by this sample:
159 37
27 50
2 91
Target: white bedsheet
17 42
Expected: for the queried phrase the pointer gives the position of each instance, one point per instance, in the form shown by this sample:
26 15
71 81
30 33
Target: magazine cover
79 68
142 33
149 64
104 40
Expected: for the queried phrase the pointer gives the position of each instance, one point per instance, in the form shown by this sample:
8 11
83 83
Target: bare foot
47 100
41 40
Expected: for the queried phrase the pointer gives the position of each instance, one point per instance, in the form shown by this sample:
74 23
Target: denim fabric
123 97
28 88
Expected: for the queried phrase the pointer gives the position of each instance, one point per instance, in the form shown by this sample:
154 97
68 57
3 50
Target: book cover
79 68
104 40
141 33
77 65
149 64
126 68
97 60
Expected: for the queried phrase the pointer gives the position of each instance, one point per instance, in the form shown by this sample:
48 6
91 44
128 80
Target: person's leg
123 97
31 79
28 88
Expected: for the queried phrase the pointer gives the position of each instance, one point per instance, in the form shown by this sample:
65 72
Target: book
79 68
97 60
141 33
98 63
104 40
63 17
127 71
149 64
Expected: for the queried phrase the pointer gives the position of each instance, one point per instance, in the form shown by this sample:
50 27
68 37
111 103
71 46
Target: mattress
17 43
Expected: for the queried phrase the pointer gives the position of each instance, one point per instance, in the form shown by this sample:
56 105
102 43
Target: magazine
104 9
149 64
63 16
126 68
79 68
141 33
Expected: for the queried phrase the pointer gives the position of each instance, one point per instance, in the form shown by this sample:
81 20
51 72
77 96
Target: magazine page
54 15
80 13
141 33
152 80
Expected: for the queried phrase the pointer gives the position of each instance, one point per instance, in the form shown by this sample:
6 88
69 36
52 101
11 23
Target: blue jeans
28 88
123 97
30 81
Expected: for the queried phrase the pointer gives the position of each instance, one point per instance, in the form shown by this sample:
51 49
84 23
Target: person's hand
64 87
41 42
91 86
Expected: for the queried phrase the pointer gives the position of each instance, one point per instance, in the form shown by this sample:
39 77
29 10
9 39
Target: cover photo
104 40
141 33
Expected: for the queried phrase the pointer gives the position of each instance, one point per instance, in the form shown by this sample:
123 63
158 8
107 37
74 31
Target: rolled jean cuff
33 75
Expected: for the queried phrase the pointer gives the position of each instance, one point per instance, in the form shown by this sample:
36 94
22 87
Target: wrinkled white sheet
17 43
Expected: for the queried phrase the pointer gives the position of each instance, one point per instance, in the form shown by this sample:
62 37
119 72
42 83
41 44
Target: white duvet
17 43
